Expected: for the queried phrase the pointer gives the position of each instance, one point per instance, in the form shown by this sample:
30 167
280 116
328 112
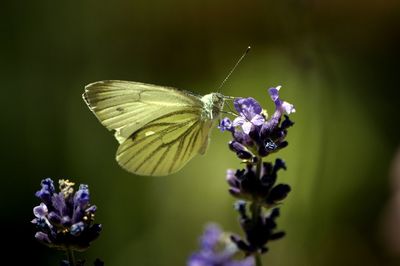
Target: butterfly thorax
213 104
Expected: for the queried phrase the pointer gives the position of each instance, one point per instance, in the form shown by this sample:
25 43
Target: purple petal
247 105
272 122
198 260
237 146
81 198
226 124
288 108
231 178
278 193
66 221
77 215
40 211
58 201
54 218
274 93
243 138
247 127
211 236
216 252
46 191
91 209
238 121
258 120
42 237
234 192
255 106
280 105
237 103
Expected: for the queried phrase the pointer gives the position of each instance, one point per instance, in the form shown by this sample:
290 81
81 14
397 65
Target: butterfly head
213 104
218 103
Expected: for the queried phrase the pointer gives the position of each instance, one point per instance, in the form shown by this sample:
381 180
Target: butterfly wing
164 145
159 128
126 106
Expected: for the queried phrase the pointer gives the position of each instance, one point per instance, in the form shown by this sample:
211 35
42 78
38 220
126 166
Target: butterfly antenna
231 112
234 67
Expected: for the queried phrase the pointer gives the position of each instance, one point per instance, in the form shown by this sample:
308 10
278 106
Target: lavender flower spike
65 220
255 136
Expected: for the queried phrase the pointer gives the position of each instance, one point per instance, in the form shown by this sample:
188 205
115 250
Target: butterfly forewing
126 106
159 128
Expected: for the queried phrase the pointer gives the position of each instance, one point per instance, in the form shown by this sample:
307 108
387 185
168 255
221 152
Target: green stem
71 256
259 167
257 257
255 206
255 209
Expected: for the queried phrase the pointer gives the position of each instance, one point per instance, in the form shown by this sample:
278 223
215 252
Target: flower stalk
71 256
258 260
256 211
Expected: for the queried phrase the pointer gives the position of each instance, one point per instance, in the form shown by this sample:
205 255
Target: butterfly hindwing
165 145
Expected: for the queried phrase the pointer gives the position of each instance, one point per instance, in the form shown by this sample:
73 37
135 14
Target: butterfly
159 129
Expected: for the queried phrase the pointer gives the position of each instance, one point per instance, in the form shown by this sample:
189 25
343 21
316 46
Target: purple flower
279 104
47 191
226 124
241 150
66 218
249 114
217 250
245 184
258 135
281 107
259 232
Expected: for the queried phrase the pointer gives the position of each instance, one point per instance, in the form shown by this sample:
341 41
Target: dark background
338 62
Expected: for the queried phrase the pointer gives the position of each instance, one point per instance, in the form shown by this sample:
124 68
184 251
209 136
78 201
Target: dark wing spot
133 136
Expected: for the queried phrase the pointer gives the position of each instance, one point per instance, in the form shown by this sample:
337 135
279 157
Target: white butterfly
159 128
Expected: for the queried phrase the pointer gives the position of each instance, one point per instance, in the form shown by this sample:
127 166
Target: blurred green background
338 62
